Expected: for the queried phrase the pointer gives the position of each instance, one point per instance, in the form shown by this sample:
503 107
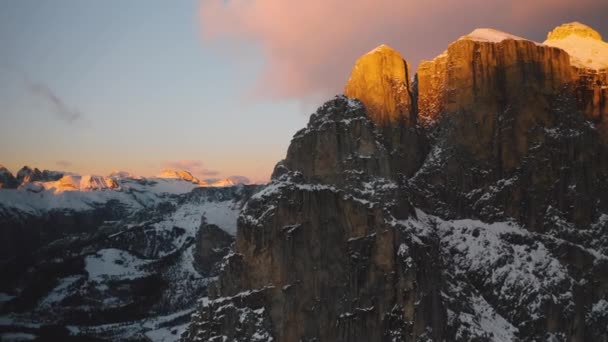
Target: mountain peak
573 28
381 80
582 43
181 174
384 49
489 35
120 174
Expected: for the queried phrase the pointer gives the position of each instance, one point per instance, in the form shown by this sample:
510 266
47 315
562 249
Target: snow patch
17 336
490 35
114 263
585 52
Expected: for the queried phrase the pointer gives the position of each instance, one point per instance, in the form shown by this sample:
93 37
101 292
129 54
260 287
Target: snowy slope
134 276
71 193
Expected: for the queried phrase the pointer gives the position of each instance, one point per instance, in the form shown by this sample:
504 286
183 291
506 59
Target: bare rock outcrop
339 144
381 80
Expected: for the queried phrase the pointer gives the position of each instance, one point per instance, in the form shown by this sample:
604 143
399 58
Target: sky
217 87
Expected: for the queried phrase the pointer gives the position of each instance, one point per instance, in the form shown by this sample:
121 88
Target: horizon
66 172
217 89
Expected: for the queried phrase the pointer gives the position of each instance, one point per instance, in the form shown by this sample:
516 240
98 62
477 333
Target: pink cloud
310 46
196 167
240 179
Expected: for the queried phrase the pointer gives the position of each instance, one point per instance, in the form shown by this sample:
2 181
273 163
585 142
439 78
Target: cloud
196 167
310 46
58 106
63 163
240 179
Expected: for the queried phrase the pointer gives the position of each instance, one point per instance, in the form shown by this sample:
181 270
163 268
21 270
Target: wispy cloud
63 163
57 105
196 167
240 179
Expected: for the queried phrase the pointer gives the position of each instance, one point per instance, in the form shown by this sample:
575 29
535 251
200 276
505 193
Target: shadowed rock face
375 226
7 180
340 144
592 96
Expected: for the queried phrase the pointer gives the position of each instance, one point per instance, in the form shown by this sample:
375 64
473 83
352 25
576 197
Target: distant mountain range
59 181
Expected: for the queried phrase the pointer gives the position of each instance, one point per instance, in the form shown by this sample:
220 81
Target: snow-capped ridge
490 35
78 183
382 48
181 174
585 46
574 28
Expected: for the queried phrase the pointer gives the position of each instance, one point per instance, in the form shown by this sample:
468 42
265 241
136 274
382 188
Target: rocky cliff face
501 104
481 214
381 80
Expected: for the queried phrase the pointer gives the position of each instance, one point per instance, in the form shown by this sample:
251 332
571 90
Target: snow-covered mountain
117 257
584 45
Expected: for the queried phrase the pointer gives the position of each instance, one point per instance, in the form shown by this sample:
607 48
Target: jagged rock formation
7 180
491 226
325 151
27 174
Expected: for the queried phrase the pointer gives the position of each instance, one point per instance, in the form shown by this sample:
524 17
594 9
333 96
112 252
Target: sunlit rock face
89 182
381 80
511 138
488 73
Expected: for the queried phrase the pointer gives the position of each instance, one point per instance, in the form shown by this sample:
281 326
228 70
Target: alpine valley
466 201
